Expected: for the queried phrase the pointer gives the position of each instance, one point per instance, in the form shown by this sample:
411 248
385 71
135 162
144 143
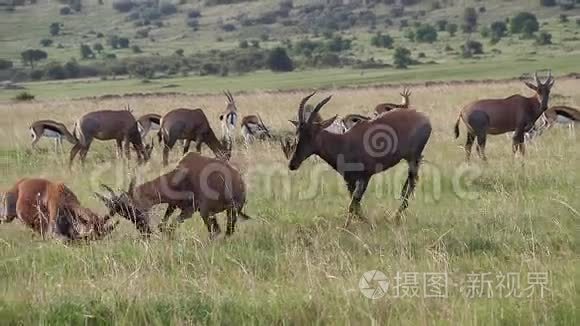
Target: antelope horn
536 78
227 96
231 96
264 126
301 107
102 198
317 108
109 190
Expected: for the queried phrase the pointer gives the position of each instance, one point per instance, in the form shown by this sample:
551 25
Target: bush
54 70
24 96
54 29
6 64
564 18
402 58
578 22
442 25
123 42
498 30
524 22
209 69
244 44
228 27
72 69
194 13
179 52
255 43
548 3
65 11
32 55
470 20
86 52
452 29
278 60
46 42
382 41
136 49
410 35
471 48
98 47
168 9
123 5
544 38
193 23
426 34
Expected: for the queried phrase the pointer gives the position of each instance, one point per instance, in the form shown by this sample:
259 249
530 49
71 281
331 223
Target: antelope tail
78 133
456 129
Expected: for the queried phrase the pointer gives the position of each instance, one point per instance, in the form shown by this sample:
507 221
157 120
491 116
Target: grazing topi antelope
497 116
120 126
368 148
385 107
190 125
51 129
198 184
52 209
253 127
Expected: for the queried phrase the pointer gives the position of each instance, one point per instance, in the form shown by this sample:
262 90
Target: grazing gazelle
229 118
385 107
253 127
51 129
190 125
370 147
497 116
198 184
147 123
52 209
564 115
120 126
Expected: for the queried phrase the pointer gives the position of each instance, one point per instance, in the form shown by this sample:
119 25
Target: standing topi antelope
406 102
198 184
497 116
52 209
564 115
229 118
253 127
120 126
190 125
370 147
50 129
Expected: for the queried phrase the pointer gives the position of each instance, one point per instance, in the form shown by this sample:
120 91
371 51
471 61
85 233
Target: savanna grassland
294 263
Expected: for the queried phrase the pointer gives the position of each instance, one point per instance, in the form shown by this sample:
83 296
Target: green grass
294 263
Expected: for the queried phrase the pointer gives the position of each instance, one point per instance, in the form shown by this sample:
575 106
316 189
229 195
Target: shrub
179 52
6 64
86 52
410 35
123 5
498 30
402 58
32 55
278 60
469 20
168 9
452 29
426 34
98 47
193 23
244 44
65 11
24 96
442 25
136 49
471 48
123 42
142 33
524 22
114 41
228 27
54 29
578 22
54 70
564 18
72 69
567 5
548 3
382 41
544 38
46 42
194 13
209 69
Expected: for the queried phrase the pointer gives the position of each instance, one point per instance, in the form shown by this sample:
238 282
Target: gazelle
406 102
120 126
368 148
191 125
51 129
253 127
198 184
516 113
564 115
352 119
147 123
229 118
52 209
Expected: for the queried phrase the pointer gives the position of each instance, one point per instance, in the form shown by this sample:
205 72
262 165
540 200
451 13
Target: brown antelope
368 148
254 127
190 125
564 115
120 126
516 113
385 107
198 184
51 129
52 209
148 122
229 118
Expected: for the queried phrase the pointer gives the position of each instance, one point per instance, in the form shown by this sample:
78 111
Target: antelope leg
357 189
468 145
409 187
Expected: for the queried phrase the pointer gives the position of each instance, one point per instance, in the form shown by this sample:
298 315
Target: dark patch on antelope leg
518 142
409 187
73 153
231 224
186 146
119 148
481 141
468 145
358 186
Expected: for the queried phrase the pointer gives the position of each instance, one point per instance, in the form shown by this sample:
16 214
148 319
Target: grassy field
294 263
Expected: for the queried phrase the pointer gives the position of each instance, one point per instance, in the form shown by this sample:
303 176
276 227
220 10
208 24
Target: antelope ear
532 86
326 123
294 122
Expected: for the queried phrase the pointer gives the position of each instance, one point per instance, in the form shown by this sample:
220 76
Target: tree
529 28
31 56
179 52
548 3
114 41
45 42
469 20
54 70
72 68
518 23
244 44
498 30
55 29
278 60
98 47
382 40
442 25
452 29
123 5
402 58
5 64
426 34
136 49
470 48
544 38
86 52
123 42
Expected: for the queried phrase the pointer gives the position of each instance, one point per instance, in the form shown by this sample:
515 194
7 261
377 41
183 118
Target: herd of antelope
211 185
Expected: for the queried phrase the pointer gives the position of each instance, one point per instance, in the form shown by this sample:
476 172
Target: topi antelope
385 107
497 116
368 148
50 129
253 127
564 115
191 125
198 184
229 118
336 127
148 122
120 126
52 209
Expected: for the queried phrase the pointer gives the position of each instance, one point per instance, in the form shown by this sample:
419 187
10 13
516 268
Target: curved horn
109 190
104 199
301 107
536 78
227 96
317 108
231 96
264 126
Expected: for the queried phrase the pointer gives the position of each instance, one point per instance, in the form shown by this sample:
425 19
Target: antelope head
307 131
230 103
124 205
542 89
